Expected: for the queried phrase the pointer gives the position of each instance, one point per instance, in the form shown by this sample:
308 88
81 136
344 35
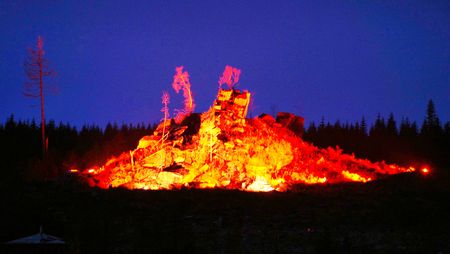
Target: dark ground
401 214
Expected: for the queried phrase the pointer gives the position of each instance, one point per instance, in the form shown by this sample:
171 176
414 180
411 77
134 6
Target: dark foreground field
402 214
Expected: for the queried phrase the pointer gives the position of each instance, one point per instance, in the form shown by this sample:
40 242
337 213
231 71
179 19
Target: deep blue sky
337 59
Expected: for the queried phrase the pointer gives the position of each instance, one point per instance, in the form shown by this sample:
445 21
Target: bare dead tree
36 69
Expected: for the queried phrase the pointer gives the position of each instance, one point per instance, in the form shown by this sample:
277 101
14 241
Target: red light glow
425 171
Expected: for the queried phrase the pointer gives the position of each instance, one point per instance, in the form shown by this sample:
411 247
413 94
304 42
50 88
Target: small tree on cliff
37 69
230 77
165 109
181 82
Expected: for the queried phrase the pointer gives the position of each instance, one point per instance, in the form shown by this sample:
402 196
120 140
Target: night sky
336 59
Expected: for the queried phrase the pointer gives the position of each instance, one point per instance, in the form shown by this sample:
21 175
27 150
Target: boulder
292 122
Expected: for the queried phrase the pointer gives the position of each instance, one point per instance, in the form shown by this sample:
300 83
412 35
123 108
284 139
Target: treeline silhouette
68 147
404 143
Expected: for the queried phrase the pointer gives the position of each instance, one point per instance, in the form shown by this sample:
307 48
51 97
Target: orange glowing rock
221 148
260 184
354 177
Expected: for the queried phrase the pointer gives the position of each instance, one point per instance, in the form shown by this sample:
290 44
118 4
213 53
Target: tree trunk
41 94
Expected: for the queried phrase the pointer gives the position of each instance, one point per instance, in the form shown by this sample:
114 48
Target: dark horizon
336 60
419 124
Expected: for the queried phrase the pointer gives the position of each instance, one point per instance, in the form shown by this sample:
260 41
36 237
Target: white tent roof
39 238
